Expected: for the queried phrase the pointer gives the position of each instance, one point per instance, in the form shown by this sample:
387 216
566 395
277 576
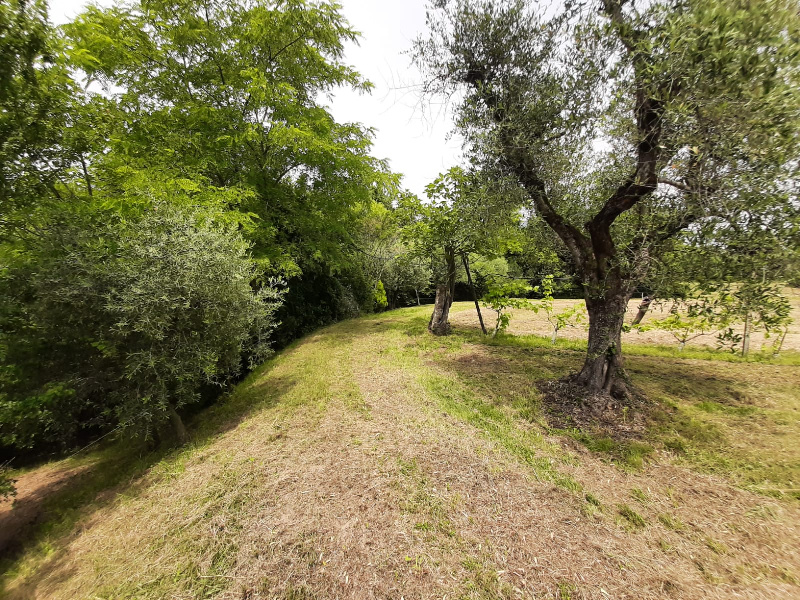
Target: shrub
117 323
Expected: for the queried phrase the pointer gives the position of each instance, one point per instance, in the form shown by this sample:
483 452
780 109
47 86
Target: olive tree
628 125
116 322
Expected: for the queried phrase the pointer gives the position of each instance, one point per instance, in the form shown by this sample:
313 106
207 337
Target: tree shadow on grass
509 375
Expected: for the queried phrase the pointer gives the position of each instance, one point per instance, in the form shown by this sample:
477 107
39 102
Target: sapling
759 306
571 316
502 297
687 323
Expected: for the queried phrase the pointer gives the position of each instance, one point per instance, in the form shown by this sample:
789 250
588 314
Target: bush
115 323
319 297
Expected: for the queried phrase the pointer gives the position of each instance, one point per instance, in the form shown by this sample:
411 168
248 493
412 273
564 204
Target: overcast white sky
414 140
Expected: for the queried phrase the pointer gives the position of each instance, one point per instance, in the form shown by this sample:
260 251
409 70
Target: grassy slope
373 460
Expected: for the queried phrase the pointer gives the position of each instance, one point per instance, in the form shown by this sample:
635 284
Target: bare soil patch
24 510
527 322
567 407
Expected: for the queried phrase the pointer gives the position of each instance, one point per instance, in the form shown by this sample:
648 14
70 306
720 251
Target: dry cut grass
372 460
528 322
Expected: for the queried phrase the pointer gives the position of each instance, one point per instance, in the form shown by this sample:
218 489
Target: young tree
626 124
464 216
758 306
688 321
503 296
571 316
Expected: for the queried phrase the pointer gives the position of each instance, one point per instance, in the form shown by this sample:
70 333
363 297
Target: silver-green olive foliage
117 321
629 125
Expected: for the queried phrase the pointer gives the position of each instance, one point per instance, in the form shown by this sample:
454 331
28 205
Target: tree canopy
629 126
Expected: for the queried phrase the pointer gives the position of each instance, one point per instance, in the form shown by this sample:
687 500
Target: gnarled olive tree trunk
603 371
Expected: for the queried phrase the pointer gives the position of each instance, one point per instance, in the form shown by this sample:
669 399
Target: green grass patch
628 454
528 446
671 522
631 516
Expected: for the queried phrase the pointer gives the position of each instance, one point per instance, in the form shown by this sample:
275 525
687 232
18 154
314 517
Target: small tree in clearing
572 316
687 323
463 217
759 306
502 297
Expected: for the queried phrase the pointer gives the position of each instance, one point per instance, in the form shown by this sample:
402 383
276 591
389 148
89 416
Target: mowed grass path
372 460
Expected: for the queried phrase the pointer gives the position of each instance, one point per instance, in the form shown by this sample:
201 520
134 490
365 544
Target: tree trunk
603 372
416 291
776 348
439 323
746 337
474 293
450 259
555 335
177 425
643 307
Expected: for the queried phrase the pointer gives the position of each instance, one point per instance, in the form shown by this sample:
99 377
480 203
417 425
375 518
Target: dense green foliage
162 166
111 322
231 91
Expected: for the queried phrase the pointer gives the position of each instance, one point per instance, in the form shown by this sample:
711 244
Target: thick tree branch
518 163
676 184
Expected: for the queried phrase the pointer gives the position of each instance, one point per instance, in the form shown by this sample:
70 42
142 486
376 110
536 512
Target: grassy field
372 460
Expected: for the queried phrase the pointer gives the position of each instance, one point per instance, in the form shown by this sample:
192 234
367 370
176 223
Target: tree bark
439 323
746 337
440 319
643 308
474 293
603 372
177 425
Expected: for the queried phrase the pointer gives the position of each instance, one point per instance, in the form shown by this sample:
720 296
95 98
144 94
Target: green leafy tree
464 216
758 306
689 320
380 296
385 258
405 277
232 91
572 316
628 126
40 105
